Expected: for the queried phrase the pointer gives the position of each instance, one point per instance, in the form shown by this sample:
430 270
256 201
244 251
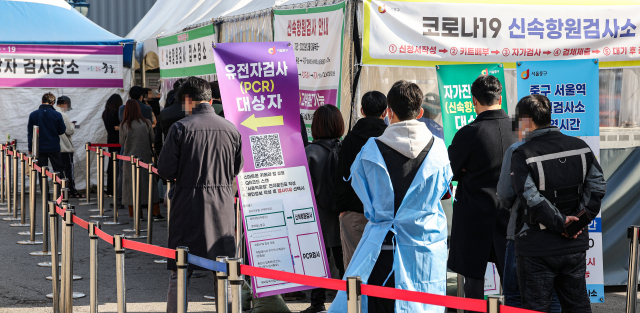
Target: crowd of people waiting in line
521 184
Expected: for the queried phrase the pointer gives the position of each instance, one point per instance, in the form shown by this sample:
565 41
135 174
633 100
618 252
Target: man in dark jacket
556 177
169 115
215 98
203 153
352 220
50 126
478 230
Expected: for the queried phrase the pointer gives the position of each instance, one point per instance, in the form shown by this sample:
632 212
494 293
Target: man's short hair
177 84
48 98
404 99
136 92
486 89
215 90
536 107
196 88
373 104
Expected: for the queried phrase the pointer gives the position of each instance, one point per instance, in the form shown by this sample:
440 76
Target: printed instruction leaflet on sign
259 88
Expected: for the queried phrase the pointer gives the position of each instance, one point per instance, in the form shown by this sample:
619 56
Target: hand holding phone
575 224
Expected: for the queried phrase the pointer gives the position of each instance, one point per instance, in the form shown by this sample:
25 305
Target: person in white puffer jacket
66 145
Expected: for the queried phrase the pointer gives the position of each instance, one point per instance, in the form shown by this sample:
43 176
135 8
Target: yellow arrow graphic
254 122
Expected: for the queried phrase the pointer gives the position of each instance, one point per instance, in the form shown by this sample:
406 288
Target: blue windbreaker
420 255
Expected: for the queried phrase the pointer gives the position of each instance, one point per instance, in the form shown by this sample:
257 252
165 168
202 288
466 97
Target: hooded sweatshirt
66 145
346 199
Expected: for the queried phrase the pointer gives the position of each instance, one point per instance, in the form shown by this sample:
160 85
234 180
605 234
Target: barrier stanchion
354 294
14 182
135 182
64 204
69 294
32 208
460 289
114 159
45 221
235 280
222 283
493 303
164 261
633 232
3 203
120 283
100 188
87 175
53 222
150 205
7 179
181 264
93 267
22 174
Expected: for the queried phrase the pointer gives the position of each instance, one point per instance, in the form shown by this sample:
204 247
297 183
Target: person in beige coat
63 105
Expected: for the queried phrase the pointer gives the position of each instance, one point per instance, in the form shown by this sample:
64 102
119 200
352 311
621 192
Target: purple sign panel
53 66
260 94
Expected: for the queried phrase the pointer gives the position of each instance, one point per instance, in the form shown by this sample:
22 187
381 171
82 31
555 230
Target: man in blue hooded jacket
400 178
50 126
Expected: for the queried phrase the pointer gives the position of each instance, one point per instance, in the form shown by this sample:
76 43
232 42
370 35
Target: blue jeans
510 288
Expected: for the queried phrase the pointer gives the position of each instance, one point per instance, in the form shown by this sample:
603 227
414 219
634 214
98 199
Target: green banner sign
456 101
187 54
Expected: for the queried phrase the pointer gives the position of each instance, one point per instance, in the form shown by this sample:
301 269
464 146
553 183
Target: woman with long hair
322 155
136 137
112 125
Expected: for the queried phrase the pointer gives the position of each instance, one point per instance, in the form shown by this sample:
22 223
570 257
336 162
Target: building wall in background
118 16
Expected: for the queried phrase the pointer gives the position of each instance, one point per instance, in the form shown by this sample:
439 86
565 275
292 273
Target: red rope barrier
106 145
104 236
10 152
37 168
60 211
49 174
58 180
80 222
510 309
155 170
144 165
59 200
124 158
320 282
106 153
150 249
92 149
426 298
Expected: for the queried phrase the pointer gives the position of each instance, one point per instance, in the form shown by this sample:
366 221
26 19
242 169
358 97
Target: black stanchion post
32 207
633 233
235 280
53 222
181 264
23 211
120 283
150 205
354 294
114 159
88 174
222 295
93 267
493 303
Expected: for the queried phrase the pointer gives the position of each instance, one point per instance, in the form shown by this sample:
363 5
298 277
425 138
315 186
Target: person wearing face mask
479 226
400 178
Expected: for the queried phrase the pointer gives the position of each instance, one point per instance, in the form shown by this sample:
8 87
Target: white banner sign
415 33
316 37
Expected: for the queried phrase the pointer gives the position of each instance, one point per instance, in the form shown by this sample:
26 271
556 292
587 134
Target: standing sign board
456 101
259 88
53 66
426 33
187 54
316 35
573 89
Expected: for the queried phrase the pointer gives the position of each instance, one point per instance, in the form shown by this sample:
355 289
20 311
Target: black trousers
380 271
539 276
67 170
110 171
474 288
319 295
56 161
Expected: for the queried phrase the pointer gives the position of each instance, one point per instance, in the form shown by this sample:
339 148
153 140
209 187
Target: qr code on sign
266 151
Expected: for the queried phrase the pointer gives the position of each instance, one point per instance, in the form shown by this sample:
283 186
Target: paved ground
23 286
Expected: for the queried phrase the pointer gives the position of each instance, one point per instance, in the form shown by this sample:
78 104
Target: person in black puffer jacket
322 156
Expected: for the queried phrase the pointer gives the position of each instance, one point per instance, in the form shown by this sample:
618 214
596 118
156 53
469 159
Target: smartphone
574 227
